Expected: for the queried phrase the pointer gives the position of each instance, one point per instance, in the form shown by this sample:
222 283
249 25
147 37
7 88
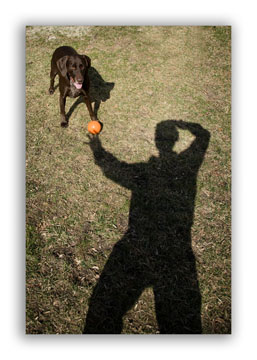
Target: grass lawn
114 228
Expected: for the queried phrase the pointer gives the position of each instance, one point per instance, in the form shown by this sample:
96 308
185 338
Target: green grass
75 214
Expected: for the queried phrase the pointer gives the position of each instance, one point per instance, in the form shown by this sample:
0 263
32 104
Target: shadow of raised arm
118 171
194 154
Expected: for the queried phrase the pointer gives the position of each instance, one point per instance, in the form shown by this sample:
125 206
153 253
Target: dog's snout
79 79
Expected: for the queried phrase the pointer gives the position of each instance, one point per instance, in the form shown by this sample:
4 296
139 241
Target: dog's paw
51 91
64 124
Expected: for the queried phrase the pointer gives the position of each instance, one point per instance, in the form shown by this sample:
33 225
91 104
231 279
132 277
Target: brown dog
72 69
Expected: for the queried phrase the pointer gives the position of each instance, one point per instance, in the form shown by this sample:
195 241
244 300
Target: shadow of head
100 90
166 135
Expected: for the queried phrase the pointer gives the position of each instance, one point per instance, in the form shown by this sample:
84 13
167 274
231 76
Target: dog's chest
73 92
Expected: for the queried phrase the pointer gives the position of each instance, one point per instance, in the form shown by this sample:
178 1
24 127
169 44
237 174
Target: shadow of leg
178 302
116 292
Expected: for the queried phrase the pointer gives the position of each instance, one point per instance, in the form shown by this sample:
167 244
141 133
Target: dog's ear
87 60
61 64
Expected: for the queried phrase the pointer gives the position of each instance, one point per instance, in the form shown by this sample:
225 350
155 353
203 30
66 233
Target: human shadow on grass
156 250
99 92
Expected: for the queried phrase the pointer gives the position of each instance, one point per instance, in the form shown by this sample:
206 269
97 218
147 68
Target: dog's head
74 67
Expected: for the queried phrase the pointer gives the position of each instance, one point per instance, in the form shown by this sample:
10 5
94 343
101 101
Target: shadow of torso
163 194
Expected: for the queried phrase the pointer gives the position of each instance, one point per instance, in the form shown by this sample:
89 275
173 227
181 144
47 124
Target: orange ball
94 127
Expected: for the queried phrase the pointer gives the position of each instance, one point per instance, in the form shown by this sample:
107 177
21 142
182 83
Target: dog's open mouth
76 84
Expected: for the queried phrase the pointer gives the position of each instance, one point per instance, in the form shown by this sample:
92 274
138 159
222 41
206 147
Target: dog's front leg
52 77
89 106
64 121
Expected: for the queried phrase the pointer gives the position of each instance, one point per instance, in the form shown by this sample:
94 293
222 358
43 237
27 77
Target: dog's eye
81 66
